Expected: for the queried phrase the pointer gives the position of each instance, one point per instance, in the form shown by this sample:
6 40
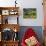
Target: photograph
30 13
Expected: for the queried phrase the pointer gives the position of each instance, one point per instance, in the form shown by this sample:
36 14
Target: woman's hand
32 41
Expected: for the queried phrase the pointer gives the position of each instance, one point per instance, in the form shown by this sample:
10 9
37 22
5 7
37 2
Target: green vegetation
29 13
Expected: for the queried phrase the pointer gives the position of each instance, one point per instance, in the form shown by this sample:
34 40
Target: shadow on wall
37 29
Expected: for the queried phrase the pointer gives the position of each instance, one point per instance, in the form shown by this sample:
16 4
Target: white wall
32 4
27 4
7 3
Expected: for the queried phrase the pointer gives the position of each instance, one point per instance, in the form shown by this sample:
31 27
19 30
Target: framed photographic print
5 12
30 13
13 12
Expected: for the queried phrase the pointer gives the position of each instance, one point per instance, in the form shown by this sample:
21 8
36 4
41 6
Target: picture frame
5 12
29 13
13 12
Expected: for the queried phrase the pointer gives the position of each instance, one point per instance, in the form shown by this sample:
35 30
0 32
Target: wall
27 4
32 4
7 3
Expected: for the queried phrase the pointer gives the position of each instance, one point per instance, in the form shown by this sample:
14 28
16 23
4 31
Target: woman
30 38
